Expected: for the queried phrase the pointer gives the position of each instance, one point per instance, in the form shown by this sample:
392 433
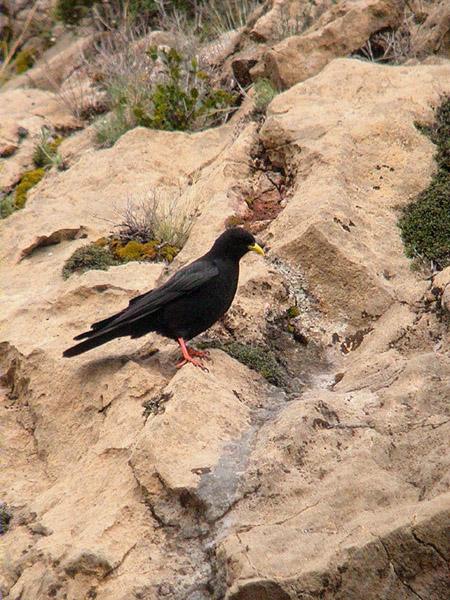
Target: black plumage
187 304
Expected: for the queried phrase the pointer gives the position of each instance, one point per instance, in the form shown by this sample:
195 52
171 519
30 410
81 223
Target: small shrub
265 92
45 154
159 89
89 257
28 180
425 223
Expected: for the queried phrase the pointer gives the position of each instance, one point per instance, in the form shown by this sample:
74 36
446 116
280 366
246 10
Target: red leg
187 358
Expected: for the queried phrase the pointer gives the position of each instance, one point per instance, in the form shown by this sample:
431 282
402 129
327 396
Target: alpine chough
187 304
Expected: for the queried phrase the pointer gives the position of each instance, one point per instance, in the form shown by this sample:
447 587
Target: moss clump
5 518
28 180
108 252
6 206
24 60
257 358
70 12
292 312
425 223
87 258
153 250
265 92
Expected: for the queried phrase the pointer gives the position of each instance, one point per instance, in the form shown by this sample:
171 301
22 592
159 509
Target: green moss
7 206
292 312
151 250
28 180
70 12
257 358
5 518
168 252
265 92
87 258
24 60
425 223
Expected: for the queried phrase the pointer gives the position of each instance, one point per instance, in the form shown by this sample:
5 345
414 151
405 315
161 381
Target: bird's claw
194 362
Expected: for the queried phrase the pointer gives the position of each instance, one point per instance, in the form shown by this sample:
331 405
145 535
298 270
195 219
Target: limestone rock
126 478
340 31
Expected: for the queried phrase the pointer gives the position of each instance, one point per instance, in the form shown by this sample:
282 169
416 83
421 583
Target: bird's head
236 242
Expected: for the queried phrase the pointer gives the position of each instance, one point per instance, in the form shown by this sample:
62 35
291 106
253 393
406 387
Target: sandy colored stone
129 479
433 36
23 113
350 246
340 31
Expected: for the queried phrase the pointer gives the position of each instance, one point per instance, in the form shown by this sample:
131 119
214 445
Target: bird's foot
194 362
199 353
188 354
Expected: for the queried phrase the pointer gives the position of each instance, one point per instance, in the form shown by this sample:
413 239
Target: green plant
255 357
425 223
24 60
70 12
28 180
154 229
89 257
6 205
5 518
159 89
45 154
265 92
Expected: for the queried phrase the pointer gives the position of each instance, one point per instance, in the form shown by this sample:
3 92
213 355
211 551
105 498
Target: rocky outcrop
338 32
126 478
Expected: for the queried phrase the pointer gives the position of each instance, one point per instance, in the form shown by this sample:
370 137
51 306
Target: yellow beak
256 248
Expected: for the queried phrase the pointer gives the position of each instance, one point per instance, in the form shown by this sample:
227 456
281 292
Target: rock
433 35
127 478
340 31
27 110
345 258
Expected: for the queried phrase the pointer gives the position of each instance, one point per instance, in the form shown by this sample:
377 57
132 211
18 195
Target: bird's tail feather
97 339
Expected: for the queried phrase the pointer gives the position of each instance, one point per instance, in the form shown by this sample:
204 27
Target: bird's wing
184 281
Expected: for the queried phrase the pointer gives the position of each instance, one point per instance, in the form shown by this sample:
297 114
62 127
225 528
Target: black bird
187 304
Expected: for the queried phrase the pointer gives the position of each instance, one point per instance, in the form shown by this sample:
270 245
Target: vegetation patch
158 89
151 230
425 223
28 180
257 358
6 205
5 518
265 92
24 60
89 257
45 154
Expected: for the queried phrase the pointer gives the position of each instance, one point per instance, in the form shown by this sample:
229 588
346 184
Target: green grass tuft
425 223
